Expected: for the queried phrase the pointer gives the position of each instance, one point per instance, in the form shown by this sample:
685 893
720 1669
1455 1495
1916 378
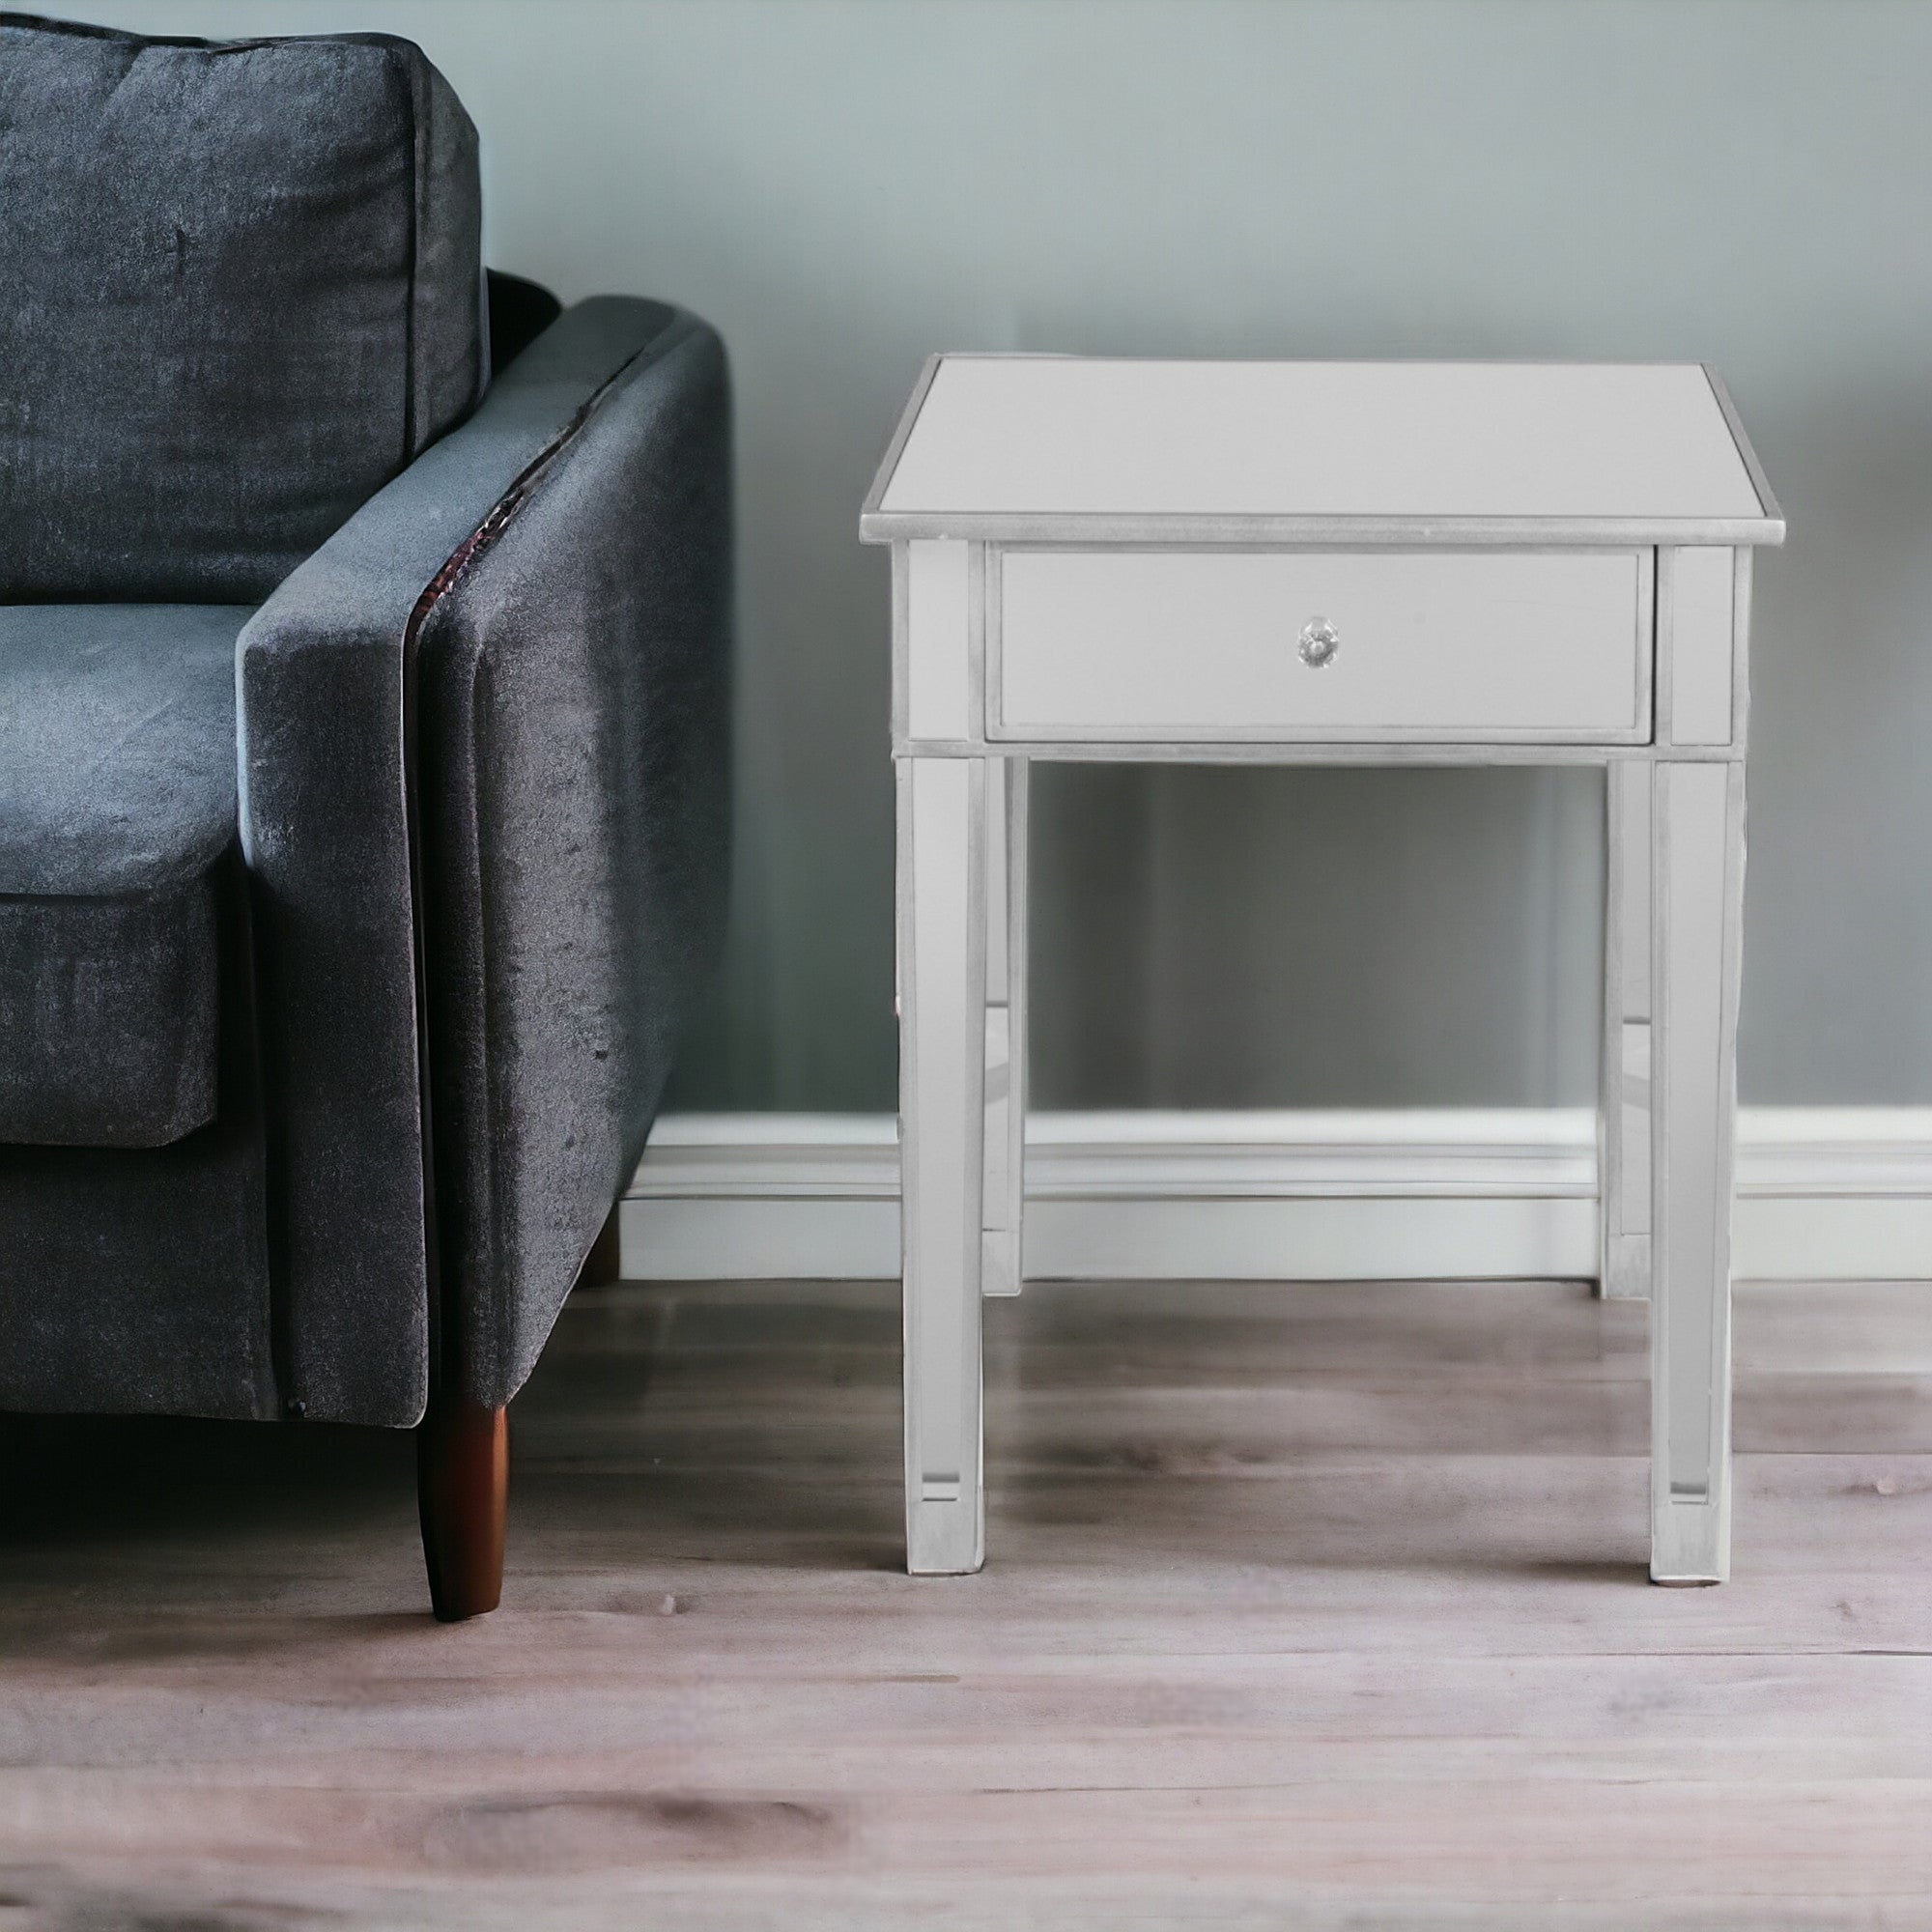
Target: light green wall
844 184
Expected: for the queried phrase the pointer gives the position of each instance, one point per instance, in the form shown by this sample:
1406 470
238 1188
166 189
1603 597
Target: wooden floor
1306 1606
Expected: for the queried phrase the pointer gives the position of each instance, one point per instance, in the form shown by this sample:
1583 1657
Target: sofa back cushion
240 289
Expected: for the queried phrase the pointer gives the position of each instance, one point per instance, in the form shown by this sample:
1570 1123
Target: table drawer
1433 645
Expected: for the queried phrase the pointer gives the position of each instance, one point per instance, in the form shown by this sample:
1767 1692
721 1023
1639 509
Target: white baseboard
1824 1194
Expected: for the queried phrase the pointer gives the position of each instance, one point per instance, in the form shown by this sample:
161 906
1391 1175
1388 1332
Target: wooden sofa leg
462 1489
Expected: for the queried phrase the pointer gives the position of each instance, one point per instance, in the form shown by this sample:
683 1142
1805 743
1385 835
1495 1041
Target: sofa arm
573 683
326 742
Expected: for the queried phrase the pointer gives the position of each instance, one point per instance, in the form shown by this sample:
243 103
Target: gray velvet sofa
363 751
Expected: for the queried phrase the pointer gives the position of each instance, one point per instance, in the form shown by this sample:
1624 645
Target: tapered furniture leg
1698 857
942 858
463 1488
1623 1142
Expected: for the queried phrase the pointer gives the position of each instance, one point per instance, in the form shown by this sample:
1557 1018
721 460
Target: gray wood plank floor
1306 1606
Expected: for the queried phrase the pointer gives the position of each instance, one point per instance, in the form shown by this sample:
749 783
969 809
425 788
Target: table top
1059 449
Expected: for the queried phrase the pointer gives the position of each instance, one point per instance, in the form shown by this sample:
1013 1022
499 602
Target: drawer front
1439 646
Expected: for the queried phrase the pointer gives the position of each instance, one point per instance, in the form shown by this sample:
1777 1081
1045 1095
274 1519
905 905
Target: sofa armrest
325 733
573 687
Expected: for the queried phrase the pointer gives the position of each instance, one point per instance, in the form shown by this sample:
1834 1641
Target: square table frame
1675 828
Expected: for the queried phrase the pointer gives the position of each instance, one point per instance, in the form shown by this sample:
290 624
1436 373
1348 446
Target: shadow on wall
1339 912
1838 884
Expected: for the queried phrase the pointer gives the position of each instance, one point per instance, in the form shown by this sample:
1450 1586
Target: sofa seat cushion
117 822
240 288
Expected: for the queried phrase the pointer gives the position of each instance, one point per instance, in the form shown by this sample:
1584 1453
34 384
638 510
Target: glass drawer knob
1319 643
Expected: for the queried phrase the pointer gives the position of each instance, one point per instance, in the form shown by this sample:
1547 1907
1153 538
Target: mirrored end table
1328 563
